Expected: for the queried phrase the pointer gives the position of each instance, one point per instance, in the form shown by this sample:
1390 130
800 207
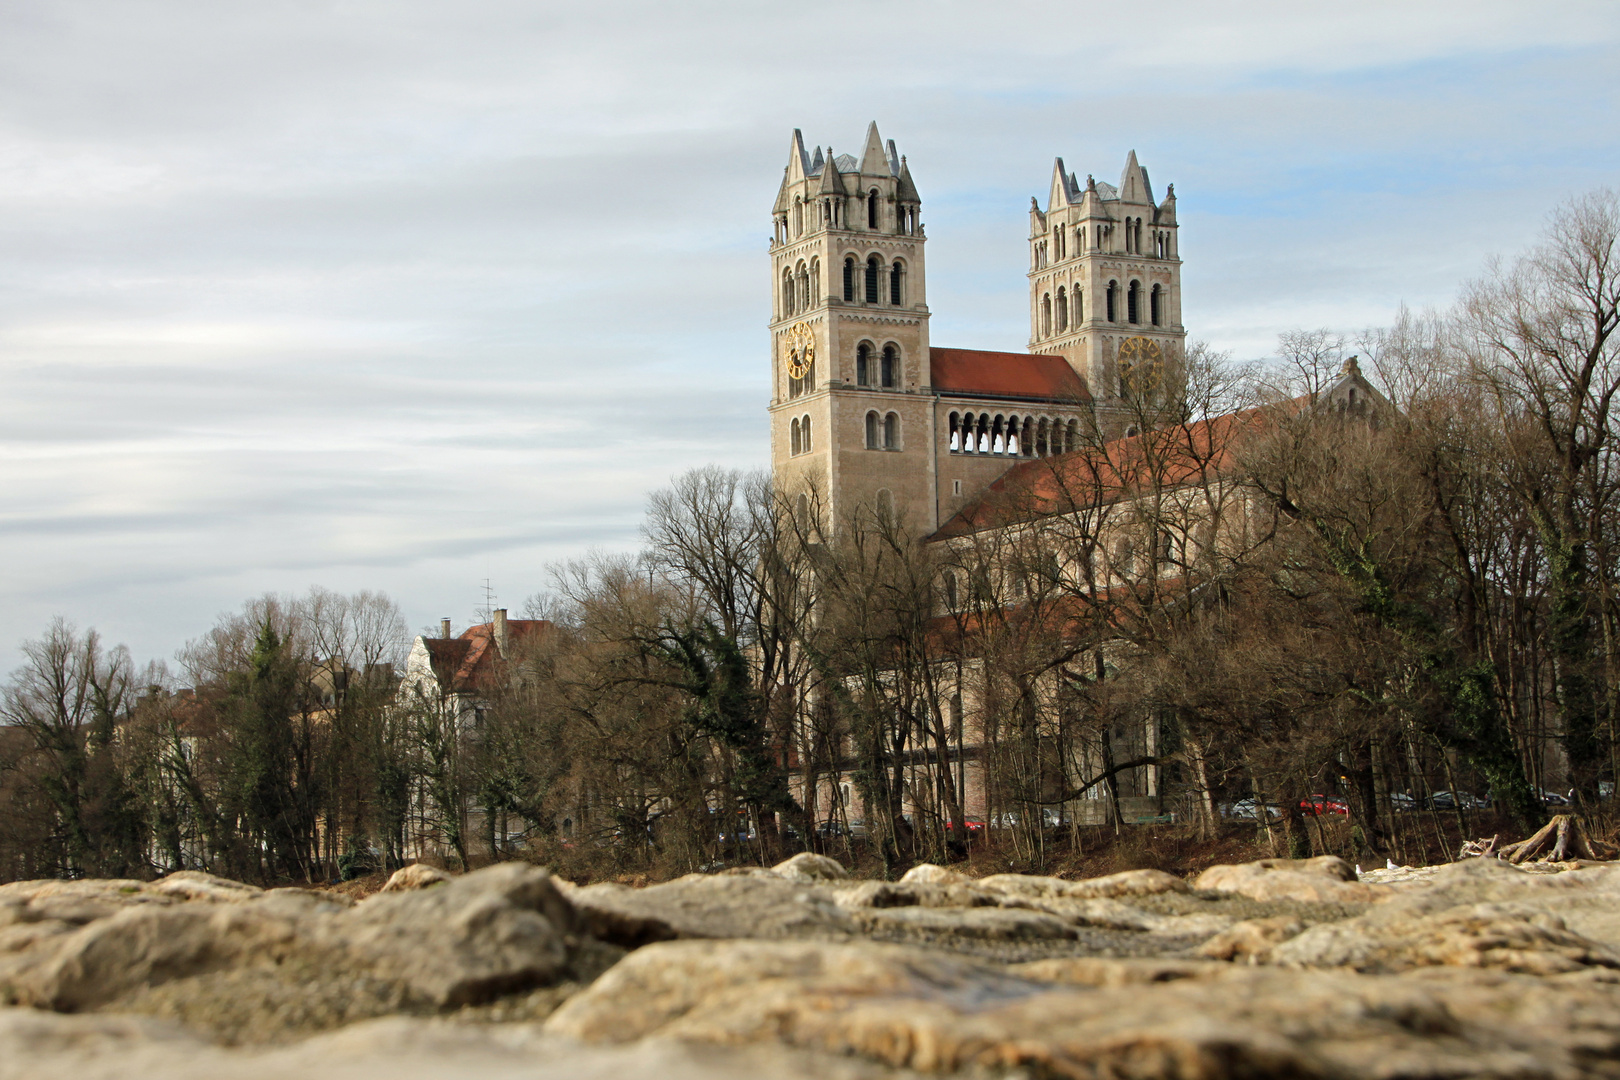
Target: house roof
1004 374
1160 458
468 661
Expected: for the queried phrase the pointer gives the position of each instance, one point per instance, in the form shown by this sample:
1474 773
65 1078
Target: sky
410 296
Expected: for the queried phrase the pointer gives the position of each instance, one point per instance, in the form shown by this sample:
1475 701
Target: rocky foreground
1274 968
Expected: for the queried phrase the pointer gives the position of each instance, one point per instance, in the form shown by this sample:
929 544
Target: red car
1317 805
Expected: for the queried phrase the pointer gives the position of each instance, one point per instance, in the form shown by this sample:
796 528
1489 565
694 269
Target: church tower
851 415
1105 286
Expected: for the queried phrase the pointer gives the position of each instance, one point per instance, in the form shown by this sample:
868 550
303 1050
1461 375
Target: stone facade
866 413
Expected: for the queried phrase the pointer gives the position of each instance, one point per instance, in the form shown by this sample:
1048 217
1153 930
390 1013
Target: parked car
1317 805
1248 810
1401 802
1552 798
1451 800
974 827
833 829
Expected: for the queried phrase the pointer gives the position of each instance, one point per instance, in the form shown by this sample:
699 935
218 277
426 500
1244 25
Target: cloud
406 295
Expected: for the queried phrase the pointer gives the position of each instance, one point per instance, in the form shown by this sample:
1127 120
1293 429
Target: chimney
444 628
501 639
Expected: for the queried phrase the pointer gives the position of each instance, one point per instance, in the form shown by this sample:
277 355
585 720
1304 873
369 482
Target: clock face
1141 365
801 350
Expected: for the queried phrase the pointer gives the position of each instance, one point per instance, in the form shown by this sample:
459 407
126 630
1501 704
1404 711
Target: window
891 366
872 209
891 432
793 439
863 364
1156 305
1046 315
955 443
950 587
787 293
894 284
872 271
1062 309
849 280
804 433
872 435
1079 306
1113 301
885 504
1133 303
798 216
956 487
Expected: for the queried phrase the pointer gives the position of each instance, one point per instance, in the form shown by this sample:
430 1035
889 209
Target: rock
937 927
493 931
929 874
1504 937
1327 878
705 906
1112 974
1251 939
76 902
196 885
151 944
1128 883
414 876
100 1047
808 866
913 1008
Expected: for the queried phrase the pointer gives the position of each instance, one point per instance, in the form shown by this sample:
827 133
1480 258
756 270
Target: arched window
793 439
849 280
1133 303
1113 301
801 507
891 366
1156 305
804 433
1071 436
802 294
863 364
954 442
950 596
1046 315
891 432
1057 241
873 268
787 293
873 437
1062 309
1079 302
894 284
872 209
815 280
798 216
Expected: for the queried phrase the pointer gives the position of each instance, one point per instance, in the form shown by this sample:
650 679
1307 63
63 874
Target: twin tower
868 413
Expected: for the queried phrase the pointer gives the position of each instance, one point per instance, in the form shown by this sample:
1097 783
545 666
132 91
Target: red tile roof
1005 374
466 662
1167 457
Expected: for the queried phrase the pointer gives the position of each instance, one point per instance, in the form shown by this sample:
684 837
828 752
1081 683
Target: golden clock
801 350
1141 365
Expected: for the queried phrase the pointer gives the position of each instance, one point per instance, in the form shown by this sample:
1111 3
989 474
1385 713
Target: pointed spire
1060 186
873 161
798 166
832 181
1133 182
816 162
894 160
907 189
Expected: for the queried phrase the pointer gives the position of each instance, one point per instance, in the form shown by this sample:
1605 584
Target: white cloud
405 295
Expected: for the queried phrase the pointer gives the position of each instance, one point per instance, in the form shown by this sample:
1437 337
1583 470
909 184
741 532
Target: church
1070 486
869 412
